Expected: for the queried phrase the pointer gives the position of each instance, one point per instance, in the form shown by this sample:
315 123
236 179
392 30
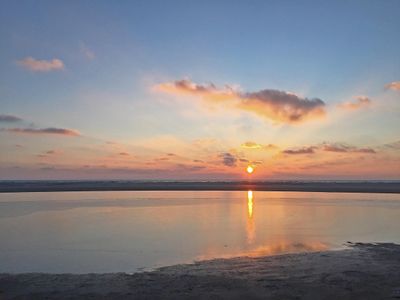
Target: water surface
81 232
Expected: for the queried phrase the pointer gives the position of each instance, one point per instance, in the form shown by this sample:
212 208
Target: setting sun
250 169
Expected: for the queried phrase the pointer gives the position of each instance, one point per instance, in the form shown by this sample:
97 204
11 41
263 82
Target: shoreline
363 271
294 186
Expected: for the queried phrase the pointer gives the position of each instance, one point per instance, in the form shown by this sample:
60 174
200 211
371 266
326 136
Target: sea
135 231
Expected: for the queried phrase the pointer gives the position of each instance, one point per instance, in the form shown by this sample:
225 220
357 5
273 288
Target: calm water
83 232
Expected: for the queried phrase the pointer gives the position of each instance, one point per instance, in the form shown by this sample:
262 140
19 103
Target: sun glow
250 169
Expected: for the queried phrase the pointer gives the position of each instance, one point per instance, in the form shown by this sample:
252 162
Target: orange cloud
254 145
279 106
360 102
37 65
162 159
395 85
50 130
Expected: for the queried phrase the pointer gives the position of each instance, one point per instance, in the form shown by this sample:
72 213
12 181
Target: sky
199 90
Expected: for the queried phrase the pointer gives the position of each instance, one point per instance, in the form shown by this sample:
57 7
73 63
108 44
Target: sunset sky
199 89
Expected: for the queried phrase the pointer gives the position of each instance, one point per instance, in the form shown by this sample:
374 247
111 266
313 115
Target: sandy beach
361 271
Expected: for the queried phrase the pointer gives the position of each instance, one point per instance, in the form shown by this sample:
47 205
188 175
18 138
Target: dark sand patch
364 271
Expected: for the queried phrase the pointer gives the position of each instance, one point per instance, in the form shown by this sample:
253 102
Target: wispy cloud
198 161
88 53
345 148
393 146
358 103
279 106
49 130
49 153
302 150
254 145
123 154
329 147
395 85
162 159
9 118
37 65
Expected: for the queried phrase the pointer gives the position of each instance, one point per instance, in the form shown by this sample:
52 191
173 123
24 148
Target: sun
250 169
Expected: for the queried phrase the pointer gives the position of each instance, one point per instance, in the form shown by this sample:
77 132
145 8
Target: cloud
364 150
334 148
346 148
360 102
162 159
395 85
88 53
123 154
394 145
251 145
282 106
9 118
279 106
36 65
49 153
228 159
49 130
329 147
254 145
190 168
303 150
198 161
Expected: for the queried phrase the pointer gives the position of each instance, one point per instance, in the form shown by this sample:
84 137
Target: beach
361 271
199 245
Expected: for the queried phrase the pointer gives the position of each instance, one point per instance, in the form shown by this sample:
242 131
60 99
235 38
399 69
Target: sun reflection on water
250 228
250 204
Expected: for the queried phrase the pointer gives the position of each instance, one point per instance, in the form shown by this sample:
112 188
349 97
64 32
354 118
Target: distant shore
300 186
364 271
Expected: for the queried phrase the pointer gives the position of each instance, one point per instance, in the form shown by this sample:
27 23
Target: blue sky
115 53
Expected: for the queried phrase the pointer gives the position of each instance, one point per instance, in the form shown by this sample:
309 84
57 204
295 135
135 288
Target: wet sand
300 186
363 271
